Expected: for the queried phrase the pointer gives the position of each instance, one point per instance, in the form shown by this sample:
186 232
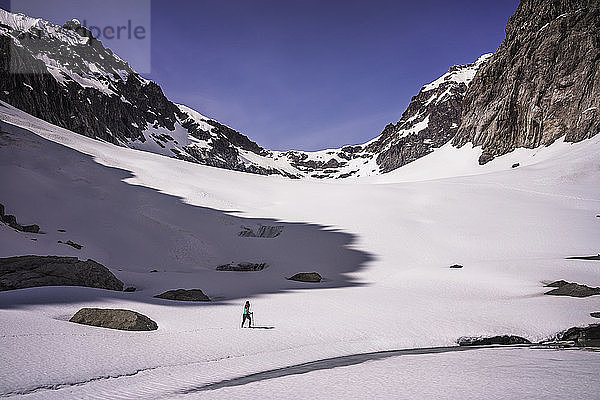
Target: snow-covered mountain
73 81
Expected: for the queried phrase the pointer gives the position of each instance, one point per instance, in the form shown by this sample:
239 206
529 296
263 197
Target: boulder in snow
184 295
564 288
487 341
586 336
124 320
243 267
312 277
32 271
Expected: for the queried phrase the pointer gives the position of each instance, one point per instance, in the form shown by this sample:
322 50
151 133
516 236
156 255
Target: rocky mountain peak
541 85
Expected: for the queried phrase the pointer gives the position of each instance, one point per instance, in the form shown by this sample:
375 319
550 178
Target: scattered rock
32 271
124 320
31 228
130 289
264 231
564 288
596 257
587 336
595 314
312 277
11 221
184 295
515 165
72 244
244 267
154 270
486 341
456 266
61 230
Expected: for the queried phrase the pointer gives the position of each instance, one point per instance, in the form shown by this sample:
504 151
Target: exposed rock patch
595 314
11 221
244 267
263 231
32 271
124 320
184 295
587 336
456 266
312 277
564 288
487 341
72 244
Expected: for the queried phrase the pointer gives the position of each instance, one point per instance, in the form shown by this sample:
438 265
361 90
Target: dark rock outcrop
184 295
487 341
595 314
564 288
542 83
456 266
263 231
242 267
32 271
586 336
312 277
11 221
124 320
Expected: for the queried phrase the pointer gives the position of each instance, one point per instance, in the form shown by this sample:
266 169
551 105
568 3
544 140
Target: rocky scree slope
543 82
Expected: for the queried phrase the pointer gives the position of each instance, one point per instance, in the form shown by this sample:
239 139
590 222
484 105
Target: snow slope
384 247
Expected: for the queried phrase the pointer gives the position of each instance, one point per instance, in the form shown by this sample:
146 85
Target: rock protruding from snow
564 288
184 295
541 84
263 231
242 267
488 341
32 271
125 320
583 336
312 277
11 221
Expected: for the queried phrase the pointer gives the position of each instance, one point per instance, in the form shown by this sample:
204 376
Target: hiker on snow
247 315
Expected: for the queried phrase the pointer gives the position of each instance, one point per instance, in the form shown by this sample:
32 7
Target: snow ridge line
330 363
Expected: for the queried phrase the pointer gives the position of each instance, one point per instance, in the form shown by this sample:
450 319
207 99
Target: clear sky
313 74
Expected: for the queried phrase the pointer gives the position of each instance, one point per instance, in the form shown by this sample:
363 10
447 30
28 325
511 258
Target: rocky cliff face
542 84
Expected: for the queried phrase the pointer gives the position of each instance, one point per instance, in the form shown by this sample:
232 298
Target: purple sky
313 74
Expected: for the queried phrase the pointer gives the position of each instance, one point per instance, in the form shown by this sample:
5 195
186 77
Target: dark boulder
312 277
242 267
515 165
130 289
488 341
32 271
587 336
456 266
595 314
571 289
184 295
31 228
124 320
1 212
